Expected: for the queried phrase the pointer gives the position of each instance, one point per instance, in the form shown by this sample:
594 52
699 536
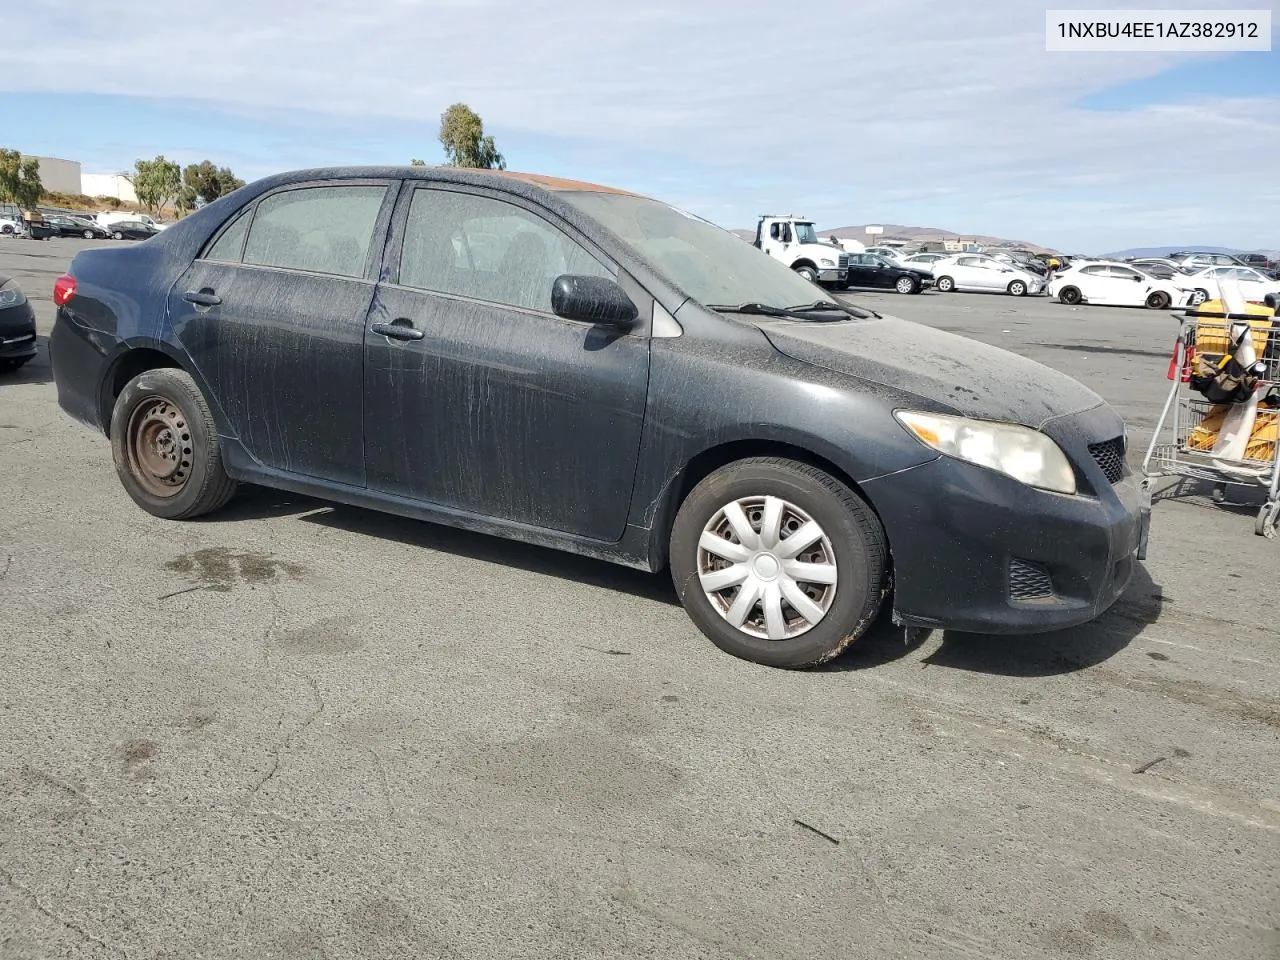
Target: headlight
10 295
1019 452
827 263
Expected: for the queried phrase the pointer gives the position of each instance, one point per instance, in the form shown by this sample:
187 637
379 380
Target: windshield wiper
763 309
799 312
860 312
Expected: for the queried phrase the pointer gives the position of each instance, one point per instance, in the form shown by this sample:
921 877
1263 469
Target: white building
107 185
59 176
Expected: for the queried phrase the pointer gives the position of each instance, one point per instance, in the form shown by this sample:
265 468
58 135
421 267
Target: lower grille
1109 456
1029 581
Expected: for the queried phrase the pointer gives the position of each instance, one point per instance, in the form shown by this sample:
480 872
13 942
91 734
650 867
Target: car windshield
707 262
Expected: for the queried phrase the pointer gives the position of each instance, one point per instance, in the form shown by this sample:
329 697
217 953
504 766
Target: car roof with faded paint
453 175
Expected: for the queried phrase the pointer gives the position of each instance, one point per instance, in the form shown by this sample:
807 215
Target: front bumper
965 540
832 275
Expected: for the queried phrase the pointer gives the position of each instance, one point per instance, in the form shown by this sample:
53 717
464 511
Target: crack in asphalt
287 743
72 925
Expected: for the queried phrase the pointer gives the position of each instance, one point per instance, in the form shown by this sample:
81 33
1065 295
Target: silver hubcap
904 286
767 567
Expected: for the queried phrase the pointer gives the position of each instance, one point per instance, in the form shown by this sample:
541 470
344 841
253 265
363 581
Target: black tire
117 235
1017 288
855 534
170 397
7 230
808 272
907 285
1158 300
1069 295
1199 297
8 364
945 285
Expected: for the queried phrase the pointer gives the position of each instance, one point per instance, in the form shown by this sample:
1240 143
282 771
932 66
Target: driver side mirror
596 300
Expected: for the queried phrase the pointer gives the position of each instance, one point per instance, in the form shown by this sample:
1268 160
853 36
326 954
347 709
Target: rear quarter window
323 229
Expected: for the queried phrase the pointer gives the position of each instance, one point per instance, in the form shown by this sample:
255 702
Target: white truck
115 216
795 242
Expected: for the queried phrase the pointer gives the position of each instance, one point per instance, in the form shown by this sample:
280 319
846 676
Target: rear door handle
202 298
398 329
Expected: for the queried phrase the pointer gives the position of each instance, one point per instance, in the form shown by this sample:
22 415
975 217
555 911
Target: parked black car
595 371
870 270
132 230
17 326
77 227
40 230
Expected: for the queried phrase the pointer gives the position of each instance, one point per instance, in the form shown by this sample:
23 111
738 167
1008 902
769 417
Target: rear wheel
88 234
1199 297
165 446
778 562
117 235
1017 288
907 285
1069 295
946 284
1158 300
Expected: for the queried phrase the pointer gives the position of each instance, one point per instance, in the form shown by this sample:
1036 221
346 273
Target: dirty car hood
975 379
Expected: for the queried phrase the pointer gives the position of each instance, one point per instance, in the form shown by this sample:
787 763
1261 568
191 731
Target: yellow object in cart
1262 441
1215 340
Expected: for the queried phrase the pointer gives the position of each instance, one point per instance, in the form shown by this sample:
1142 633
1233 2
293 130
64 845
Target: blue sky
923 112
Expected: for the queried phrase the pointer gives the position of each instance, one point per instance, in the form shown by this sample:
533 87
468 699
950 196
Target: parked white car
1207 284
973 272
1117 284
10 227
889 253
924 261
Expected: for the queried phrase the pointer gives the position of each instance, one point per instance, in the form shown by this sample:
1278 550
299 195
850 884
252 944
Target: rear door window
321 229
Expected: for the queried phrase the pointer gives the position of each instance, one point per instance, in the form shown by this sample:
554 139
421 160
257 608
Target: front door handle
398 329
202 298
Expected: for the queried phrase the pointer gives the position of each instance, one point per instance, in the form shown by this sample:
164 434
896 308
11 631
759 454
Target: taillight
64 288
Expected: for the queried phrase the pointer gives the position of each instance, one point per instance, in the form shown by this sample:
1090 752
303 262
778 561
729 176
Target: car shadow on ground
35 370
1060 652
1049 654
259 503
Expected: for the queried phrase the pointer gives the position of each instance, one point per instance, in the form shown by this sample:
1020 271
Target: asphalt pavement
295 730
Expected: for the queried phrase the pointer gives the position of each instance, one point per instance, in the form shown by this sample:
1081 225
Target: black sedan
77 227
870 270
590 370
17 326
132 230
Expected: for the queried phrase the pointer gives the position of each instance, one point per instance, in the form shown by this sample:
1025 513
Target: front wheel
165 446
907 285
946 284
1069 295
1017 288
88 234
117 235
808 273
1158 300
1268 517
778 562
1199 297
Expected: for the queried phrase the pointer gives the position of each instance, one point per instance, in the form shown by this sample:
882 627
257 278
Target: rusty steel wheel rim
158 447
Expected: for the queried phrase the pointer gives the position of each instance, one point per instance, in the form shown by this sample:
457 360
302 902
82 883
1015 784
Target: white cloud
843 109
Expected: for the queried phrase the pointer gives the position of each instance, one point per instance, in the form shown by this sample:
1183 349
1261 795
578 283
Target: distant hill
1199 247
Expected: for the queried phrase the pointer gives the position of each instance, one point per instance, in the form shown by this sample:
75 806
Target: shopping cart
1191 424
